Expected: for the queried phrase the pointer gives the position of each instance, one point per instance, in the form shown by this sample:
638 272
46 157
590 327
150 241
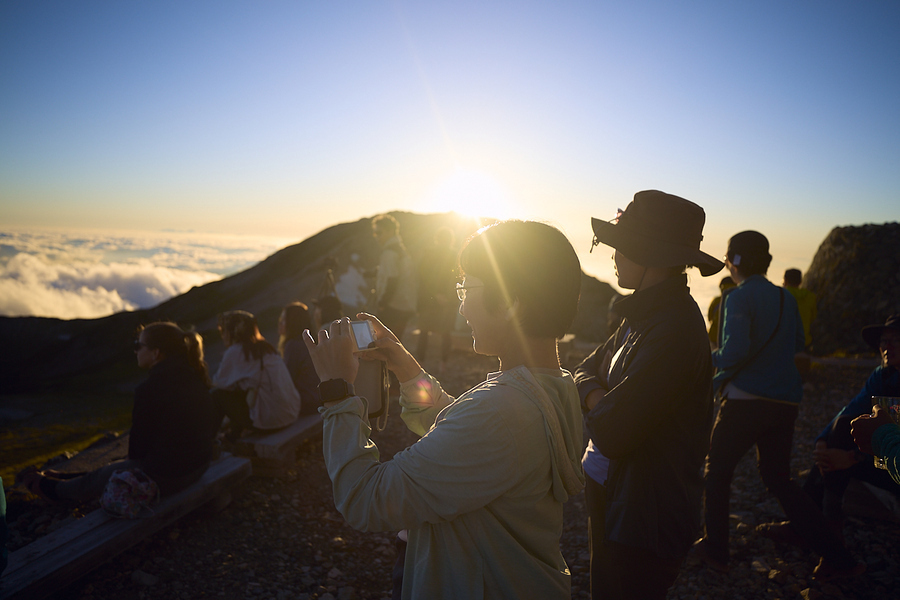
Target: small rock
334 573
143 578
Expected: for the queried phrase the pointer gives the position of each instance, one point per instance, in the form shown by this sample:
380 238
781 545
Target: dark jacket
173 422
655 420
303 374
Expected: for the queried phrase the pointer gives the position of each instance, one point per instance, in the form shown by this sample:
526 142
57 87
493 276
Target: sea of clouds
78 274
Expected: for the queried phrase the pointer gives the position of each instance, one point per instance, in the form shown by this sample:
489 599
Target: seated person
878 435
253 387
837 458
294 319
172 424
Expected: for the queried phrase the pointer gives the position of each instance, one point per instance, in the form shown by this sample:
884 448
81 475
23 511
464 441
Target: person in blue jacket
761 390
838 459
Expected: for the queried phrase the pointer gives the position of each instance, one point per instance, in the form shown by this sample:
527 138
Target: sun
471 193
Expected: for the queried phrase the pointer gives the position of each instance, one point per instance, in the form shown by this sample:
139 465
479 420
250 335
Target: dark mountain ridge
43 354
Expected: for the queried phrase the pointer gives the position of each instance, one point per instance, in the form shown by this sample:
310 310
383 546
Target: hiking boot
782 533
828 570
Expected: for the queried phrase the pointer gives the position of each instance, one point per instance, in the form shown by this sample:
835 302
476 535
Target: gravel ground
283 539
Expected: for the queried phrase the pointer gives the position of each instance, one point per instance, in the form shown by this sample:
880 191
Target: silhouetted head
792 278
166 340
748 252
294 319
529 262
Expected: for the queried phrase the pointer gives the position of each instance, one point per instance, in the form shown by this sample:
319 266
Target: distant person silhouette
294 319
327 308
761 391
395 288
253 387
437 297
806 301
173 422
715 309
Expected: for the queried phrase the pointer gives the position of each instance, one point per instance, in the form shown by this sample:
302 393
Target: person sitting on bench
172 423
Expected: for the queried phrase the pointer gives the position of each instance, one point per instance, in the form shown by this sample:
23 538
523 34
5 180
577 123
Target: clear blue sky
286 117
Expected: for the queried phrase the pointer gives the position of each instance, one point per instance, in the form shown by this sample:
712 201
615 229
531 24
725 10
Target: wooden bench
59 558
274 452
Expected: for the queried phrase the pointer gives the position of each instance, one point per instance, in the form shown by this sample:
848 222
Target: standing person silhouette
395 288
647 397
761 389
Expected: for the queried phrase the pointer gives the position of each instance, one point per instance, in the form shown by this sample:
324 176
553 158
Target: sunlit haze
278 119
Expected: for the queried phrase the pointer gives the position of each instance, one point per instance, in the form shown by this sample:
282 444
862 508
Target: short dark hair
748 251
385 222
793 277
531 262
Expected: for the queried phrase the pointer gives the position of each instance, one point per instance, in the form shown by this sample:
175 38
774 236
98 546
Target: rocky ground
283 539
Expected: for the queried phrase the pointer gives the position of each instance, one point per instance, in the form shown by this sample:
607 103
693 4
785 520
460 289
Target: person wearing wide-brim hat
761 390
878 434
647 397
838 457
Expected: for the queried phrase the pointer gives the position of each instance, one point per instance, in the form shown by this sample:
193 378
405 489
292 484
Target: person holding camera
481 493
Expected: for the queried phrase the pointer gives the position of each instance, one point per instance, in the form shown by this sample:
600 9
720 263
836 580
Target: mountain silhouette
44 354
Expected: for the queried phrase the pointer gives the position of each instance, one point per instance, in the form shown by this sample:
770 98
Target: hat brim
872 334
654 252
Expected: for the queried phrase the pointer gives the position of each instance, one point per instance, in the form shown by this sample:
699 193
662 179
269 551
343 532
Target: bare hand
593 398
390 350
832 459
333 356
862 428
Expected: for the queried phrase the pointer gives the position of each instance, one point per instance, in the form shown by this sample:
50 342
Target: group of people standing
480 494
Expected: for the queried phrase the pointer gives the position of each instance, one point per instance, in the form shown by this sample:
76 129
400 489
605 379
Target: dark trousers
233 404
770 426
828 490
619 571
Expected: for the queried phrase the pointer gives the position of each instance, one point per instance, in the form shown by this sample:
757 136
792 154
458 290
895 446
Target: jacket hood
562 424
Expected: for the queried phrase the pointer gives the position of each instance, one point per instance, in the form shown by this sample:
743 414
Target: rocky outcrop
856 277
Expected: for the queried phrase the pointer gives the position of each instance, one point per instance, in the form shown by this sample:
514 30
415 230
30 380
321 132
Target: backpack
127 493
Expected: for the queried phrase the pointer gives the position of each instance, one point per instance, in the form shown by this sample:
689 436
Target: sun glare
471 193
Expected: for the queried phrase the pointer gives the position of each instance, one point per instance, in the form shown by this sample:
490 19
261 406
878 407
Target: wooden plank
55 560
280 444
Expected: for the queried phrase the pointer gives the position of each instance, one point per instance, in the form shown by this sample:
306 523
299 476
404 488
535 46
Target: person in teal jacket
481 493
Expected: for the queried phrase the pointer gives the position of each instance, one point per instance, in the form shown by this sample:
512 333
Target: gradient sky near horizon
282 118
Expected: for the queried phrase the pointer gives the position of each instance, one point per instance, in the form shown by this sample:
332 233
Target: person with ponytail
173 422
253 387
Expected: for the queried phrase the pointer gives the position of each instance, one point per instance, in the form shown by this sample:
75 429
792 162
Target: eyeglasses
138 344
461 290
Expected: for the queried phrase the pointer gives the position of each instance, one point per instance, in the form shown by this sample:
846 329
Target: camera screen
362 331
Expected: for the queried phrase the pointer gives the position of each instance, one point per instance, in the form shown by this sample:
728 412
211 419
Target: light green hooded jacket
481 493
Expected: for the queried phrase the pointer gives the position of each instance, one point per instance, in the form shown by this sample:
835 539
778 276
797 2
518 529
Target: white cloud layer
76 275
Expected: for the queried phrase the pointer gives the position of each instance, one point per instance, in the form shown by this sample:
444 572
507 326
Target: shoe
782 533
828 571
701 552
32 482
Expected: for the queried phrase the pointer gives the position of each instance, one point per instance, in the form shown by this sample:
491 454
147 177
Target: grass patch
57 423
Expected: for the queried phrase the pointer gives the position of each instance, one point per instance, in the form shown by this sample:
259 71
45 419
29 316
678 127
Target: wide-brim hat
872 333
658 230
